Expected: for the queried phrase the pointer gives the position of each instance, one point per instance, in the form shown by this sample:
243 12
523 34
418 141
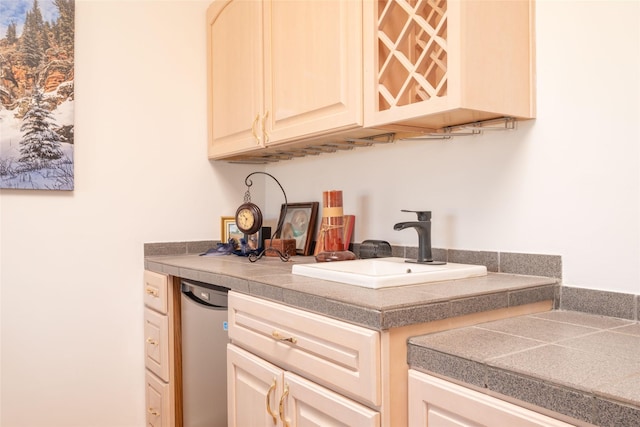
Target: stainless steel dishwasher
204 357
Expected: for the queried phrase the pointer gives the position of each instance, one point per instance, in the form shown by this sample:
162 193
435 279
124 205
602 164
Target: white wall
71 263
566 184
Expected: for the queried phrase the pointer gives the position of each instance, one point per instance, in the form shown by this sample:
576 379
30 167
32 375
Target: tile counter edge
373 309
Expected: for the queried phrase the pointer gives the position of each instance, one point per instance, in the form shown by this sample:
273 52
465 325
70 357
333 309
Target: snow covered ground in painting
15 174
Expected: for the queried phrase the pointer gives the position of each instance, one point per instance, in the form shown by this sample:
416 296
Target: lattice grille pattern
412 51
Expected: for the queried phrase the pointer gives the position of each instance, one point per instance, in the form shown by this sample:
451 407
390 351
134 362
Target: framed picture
256 241
229 230
299 224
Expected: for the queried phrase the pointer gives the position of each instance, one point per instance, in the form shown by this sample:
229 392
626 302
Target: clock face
248 218
245 218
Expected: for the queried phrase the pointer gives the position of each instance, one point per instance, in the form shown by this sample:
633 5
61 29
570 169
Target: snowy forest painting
37 94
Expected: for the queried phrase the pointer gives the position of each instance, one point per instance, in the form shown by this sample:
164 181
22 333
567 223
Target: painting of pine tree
37 94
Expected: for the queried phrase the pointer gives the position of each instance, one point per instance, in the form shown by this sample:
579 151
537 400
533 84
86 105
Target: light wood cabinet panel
162 350
438 403
157 399
235 76
309 404
263 394
313 73
254 388
156 290
330 352
290 78
282 70
156 348
448 62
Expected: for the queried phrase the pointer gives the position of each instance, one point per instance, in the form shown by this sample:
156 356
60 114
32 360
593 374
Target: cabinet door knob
153 412
269 411
152 341
152 292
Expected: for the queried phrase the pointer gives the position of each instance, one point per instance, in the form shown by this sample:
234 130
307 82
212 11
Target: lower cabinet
436 402
161 351
262 394
291 367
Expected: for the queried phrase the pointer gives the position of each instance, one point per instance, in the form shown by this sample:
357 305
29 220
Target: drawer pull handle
269 411
282 399
279 337
153 292
152 341
153 412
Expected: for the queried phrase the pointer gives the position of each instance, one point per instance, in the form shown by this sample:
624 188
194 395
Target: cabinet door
448 62
309 404
435 402
254 389
235 76
313 67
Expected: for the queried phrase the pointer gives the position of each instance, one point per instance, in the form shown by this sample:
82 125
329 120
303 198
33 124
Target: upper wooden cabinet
288 78
443 63
282 70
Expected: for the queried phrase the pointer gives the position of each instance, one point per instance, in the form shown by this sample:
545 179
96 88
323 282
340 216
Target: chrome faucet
423 227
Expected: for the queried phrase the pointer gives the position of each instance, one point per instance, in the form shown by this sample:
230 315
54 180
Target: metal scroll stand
253 257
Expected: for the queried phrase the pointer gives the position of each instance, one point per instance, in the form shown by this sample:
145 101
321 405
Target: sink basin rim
378 273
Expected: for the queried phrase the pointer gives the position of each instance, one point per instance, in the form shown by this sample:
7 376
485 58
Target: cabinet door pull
281 409
253 128
279 337
152 291
269 411
152 341
264 131
153 412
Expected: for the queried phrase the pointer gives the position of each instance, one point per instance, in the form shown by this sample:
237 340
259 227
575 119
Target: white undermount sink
378 273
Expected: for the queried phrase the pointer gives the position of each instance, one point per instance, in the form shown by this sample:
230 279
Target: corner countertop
583 366
379 309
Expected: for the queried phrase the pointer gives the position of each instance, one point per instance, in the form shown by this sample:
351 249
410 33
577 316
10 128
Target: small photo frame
229 230
256 241
299 223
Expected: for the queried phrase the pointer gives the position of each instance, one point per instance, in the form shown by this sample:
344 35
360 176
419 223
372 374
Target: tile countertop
379 309
584 366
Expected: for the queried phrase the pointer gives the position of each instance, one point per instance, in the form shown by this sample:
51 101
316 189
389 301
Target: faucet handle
422 215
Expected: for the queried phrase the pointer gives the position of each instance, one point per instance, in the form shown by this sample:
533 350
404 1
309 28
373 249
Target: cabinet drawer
336 354
157 401
156 345
156 287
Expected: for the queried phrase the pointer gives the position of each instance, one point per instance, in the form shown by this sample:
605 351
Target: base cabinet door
308 405
262 394
438 403
253 389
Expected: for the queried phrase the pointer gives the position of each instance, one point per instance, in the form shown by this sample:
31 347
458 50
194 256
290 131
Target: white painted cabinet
162 370
438 403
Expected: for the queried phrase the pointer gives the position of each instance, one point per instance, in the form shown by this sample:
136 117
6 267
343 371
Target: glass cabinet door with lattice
438 63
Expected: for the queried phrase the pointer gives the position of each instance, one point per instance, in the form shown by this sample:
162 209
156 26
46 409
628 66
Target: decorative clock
248 218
